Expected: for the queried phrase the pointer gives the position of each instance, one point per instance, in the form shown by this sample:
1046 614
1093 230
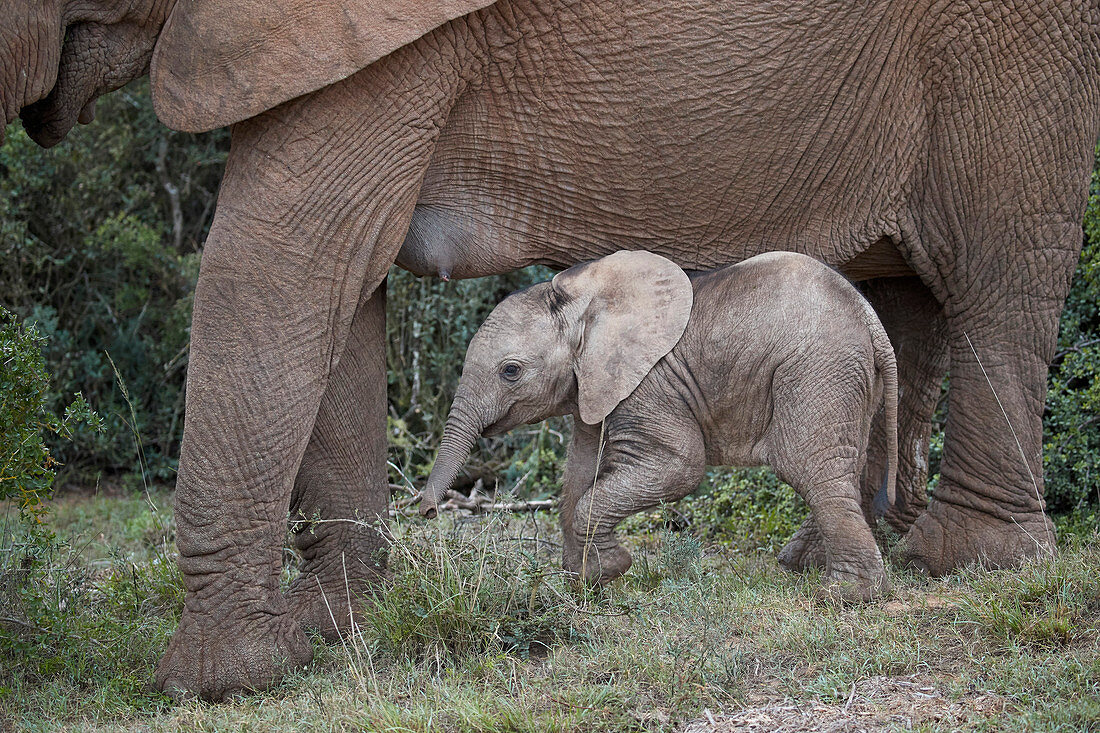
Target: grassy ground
477 633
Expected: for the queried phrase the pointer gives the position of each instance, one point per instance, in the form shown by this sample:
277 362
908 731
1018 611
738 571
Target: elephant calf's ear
638 305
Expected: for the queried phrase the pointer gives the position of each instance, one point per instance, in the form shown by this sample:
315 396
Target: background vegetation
100 240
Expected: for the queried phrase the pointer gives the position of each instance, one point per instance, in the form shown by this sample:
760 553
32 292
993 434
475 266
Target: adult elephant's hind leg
988 507
337 512
995 235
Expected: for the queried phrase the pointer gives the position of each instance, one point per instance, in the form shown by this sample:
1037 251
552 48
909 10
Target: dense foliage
99 243
26 466
1071 425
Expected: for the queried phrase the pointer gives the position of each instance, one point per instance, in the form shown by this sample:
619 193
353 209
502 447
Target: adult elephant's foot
215 655
329 600
805 550
947 537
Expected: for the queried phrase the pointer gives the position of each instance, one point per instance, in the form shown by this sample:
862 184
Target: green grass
476 631
85 615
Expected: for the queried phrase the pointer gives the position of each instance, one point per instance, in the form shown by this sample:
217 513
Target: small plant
681 556
26 467
468 588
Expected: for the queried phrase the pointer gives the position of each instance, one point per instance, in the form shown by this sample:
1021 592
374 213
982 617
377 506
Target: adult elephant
946 143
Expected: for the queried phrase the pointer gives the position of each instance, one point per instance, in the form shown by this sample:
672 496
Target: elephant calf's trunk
458 440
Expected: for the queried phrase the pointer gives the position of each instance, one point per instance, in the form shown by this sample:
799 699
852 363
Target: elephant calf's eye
511 371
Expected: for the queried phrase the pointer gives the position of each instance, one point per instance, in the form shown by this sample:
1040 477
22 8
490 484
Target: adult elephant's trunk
464 426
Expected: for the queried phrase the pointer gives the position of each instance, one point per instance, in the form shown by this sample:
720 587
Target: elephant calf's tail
887 368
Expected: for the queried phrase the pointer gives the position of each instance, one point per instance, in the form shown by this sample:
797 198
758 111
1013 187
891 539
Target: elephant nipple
444 274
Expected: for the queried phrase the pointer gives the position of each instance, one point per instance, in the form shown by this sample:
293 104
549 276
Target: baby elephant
775 361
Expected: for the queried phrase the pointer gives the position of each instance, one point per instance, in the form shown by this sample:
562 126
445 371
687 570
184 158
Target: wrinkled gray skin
945 143
782 363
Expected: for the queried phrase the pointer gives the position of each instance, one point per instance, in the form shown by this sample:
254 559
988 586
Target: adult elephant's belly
668 134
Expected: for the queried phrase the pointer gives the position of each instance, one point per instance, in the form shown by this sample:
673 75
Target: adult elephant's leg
315 203
338 483
917 329
995 231
988 506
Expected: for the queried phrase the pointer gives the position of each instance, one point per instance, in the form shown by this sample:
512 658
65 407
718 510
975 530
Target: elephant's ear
631 309
218 62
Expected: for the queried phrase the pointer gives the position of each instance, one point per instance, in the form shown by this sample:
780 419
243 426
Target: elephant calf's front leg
623 487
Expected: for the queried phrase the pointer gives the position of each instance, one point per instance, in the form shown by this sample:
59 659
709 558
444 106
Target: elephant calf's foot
855 586
215 655
593 565
805 550
947 537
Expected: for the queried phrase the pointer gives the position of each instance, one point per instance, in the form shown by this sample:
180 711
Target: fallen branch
476 503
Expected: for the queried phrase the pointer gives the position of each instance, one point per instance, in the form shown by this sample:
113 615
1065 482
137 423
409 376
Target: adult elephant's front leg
337 512
316 200
265 336
256 375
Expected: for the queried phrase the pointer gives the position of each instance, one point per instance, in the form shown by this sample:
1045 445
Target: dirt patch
875 704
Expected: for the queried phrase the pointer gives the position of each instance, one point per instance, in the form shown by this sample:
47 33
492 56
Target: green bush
99 247
59 630
748 508
26 467
1071 423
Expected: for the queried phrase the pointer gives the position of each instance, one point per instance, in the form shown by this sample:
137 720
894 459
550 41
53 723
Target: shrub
26 467
748 508
58 629
1071 423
